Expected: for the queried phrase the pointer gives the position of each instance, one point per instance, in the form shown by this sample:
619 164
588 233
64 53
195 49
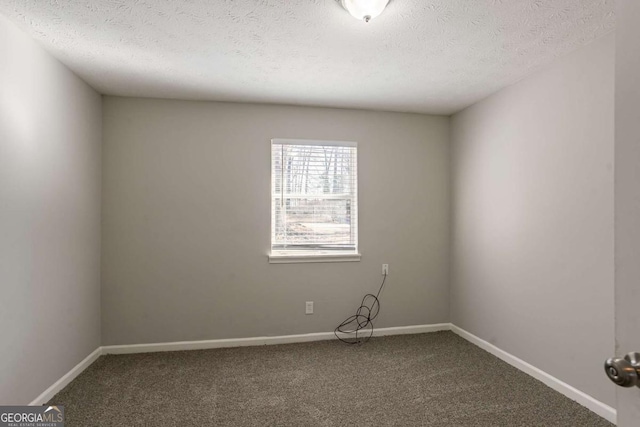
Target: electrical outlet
385 269
309 307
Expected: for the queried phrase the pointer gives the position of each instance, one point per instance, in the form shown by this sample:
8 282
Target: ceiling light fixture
364 9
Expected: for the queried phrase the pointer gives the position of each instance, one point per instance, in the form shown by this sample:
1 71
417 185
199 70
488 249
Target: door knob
624 372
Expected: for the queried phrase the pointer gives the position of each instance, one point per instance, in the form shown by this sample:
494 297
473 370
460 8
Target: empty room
319 213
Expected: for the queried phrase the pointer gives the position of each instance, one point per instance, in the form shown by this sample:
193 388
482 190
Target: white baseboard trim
66 378
594 405
45 396
246 342
416 329
572 393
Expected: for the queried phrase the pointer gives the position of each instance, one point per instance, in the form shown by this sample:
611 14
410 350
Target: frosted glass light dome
365 9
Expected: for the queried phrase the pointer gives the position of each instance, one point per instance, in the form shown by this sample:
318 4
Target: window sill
295 257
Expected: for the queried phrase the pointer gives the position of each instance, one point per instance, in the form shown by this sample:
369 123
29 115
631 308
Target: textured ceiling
430 56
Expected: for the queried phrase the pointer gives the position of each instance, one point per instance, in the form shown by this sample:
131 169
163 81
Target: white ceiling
429 56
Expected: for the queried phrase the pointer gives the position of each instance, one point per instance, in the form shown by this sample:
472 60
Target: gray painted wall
186 221
50 132
627 193
532 231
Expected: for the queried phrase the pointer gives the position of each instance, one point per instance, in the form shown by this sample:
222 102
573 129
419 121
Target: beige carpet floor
435 379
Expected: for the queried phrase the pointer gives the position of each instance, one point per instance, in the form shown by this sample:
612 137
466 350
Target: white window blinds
314 196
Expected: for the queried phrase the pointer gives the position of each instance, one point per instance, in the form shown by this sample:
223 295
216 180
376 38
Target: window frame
278 256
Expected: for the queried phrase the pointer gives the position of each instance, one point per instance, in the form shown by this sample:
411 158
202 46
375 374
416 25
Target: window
314 201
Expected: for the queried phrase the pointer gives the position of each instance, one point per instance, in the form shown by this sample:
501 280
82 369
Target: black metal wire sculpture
358 329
